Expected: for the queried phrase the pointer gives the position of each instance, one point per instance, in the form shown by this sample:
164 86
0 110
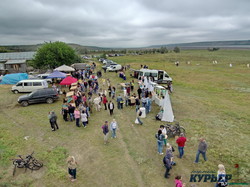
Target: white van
158 76
29 85
115 67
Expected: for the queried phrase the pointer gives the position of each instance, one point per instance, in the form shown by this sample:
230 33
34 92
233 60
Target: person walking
77 115
113 128
104 101
132 84
139 91
160 139
65 111
113 92
121 103
148 105
137 104
202 149
181 144
84 119
109 91
144 101
105 130
53 120
118 100
111 107
71 112
97 102
72 165
164 132
170 151
178 181
128 88
167 164
138 116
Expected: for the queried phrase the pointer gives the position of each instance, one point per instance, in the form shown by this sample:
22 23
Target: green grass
210 101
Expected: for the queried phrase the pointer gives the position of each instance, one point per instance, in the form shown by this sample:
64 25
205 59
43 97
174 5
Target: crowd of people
169 161
91 96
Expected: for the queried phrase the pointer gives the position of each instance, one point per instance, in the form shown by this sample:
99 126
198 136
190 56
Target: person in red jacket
181 144
104 101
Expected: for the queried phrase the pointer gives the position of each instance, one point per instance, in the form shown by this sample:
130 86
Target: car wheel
16 91
49 100
24 103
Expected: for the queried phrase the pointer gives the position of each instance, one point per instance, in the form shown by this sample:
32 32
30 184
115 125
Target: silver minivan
29 85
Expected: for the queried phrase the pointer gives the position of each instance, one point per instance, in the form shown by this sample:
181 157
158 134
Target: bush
177 50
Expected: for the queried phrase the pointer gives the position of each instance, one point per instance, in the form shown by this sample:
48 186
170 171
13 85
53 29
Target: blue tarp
14 78
57 74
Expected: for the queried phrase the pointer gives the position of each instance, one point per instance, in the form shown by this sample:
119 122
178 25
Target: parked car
107 61
45 95
29 85
109 64
44 76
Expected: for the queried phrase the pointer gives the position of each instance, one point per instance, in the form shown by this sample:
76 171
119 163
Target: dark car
48 95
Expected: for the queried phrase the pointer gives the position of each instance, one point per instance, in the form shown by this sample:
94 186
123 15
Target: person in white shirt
111 107
113 128
84 119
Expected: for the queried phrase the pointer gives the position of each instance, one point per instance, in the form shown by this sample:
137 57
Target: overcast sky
123 23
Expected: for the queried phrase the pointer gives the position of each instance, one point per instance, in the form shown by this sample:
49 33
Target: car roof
45 89
32 80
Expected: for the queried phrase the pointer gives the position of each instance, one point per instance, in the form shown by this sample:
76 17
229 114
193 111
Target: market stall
158 94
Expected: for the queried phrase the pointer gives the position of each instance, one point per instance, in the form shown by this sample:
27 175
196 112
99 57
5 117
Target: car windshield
31 93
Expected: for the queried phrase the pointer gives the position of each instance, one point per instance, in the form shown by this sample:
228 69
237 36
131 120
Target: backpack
160 137
53 119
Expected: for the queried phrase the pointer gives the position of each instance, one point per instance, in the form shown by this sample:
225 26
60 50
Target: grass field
210 101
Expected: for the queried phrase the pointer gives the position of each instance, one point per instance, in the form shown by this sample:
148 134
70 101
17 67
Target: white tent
64 68
151 85
167 107
145 82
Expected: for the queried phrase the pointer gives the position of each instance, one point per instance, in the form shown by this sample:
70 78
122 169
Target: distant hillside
83 49
25 48
222 44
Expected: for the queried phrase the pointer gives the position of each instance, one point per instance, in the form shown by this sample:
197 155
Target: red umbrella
68 81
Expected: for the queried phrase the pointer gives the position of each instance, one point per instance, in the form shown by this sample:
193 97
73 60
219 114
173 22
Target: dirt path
131 161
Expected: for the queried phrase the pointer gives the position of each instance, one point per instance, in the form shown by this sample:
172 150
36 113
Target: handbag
173 149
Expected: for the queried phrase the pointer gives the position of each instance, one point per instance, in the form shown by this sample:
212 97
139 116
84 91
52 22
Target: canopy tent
68 81
64 68
14 78
160 91
167 109
56 74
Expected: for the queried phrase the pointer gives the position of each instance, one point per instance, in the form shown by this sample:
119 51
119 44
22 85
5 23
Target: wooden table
73 88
